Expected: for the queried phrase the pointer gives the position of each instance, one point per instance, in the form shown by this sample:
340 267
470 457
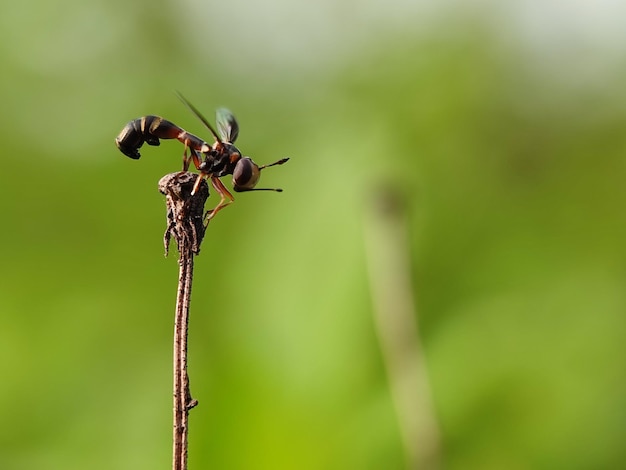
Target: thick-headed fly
212 161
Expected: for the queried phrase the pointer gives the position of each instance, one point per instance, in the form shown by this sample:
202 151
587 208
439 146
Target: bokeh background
501 124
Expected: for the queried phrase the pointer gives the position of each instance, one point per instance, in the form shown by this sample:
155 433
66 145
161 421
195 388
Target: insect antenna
245 190
279 162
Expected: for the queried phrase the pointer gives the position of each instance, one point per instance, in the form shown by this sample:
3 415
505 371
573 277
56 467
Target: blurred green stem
388 255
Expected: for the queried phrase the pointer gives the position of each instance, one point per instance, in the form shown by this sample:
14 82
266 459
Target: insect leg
196 158
224 194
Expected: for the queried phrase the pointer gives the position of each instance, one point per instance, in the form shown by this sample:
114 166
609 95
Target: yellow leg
224 194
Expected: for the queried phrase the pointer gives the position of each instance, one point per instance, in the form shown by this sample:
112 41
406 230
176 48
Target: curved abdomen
150 129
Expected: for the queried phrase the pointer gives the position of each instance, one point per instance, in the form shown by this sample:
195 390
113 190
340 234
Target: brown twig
185 215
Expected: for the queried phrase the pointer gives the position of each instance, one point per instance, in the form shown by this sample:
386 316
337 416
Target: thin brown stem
185 215
182 396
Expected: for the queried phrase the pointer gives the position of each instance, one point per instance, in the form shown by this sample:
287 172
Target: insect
212 161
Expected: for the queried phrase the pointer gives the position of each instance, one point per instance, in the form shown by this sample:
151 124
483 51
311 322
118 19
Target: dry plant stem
185 215
388 256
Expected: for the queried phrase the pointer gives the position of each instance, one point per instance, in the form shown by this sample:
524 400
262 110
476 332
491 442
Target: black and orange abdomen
150 129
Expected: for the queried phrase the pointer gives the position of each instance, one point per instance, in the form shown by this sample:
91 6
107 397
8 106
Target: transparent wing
198 115
226 125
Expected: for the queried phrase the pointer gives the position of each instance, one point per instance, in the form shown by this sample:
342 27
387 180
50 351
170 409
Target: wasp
212 161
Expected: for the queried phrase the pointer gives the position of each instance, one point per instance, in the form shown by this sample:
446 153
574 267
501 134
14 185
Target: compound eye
246 174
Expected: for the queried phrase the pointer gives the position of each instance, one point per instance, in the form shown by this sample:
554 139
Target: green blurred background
502 122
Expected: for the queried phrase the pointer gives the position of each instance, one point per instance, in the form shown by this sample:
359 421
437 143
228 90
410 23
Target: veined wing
226 125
